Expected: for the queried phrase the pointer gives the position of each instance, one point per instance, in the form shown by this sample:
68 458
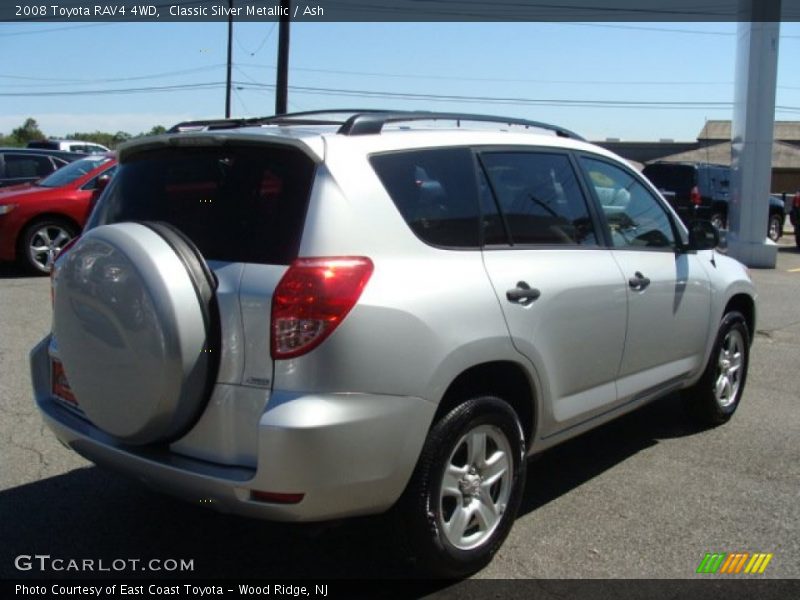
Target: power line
486 79
59 82
51 29
260 46
385 95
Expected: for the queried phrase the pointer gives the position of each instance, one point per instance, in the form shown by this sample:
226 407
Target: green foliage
29 131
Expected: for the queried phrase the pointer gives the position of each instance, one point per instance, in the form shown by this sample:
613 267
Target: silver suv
322 315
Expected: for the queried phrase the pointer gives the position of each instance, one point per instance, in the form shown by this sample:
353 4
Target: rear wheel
41 241
713 400
775 227
466 489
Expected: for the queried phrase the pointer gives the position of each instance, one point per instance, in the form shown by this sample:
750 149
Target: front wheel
41 241
713 400
466 489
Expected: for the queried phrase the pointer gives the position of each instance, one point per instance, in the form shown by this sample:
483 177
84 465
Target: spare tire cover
131 322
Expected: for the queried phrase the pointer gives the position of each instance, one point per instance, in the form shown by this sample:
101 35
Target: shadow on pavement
10 270
91 513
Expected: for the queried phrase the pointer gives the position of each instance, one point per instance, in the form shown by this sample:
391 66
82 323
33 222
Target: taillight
312 298
797 200
694 196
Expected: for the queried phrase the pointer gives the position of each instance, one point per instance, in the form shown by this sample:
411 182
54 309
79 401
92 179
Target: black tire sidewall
420 506
703 403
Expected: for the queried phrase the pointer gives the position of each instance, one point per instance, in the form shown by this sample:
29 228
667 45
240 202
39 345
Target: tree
157 130
27 133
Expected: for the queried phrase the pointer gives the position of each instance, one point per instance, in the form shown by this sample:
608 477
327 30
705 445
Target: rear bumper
348 454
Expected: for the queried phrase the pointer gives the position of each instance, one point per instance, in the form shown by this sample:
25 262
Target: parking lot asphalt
643 497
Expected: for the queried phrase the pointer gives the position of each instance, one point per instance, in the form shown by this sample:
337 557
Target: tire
41 241
797 237
775 229
718 220
716 396
454 530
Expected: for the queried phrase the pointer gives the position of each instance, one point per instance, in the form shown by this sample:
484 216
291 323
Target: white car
69 146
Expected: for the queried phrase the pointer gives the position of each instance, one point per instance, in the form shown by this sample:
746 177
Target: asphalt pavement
646 496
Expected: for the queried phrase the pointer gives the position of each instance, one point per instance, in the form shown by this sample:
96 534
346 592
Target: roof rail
363 121
309 117
373 122
207 125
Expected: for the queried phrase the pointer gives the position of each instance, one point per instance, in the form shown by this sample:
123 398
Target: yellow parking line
793 270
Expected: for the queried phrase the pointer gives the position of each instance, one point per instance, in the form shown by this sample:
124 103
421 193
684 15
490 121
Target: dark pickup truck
794 217
701 191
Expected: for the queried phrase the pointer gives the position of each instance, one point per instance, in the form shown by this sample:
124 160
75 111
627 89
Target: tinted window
72 172
240 204
435 191
672 178
494 232
635 217
540 198
20 166
44 144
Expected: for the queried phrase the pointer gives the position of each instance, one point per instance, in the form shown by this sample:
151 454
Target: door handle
638 282
522 294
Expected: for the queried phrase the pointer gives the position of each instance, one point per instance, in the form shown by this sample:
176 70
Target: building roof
784 156
785 131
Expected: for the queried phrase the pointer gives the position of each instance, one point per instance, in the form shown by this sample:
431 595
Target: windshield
73 171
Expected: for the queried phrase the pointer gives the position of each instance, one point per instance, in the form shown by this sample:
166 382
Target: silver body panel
345 423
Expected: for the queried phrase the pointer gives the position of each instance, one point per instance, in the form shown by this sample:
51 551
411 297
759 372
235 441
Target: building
713 145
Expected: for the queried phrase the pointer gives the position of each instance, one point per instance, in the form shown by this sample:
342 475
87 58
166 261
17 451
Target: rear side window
20 166
435 192
238 204
540 198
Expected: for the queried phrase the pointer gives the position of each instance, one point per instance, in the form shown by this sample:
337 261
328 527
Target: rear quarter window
435 192
237 204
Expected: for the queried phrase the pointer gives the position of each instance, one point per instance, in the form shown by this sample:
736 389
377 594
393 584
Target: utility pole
282 77
230 61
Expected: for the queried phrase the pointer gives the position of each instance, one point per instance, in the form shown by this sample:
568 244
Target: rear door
561 291
244 208
669 296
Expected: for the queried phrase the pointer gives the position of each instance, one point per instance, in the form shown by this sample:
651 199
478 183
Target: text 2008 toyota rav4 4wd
322 315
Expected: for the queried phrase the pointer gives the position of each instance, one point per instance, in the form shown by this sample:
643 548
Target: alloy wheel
476 486
729 368
45 244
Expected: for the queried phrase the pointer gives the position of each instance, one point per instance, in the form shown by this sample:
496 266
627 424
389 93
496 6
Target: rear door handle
638 282
522 294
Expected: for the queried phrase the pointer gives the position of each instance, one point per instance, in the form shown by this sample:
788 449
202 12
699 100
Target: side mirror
703 235
100 184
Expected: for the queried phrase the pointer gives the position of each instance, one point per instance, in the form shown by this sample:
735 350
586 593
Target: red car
38 219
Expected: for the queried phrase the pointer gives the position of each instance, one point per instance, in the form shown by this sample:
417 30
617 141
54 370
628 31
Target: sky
669 77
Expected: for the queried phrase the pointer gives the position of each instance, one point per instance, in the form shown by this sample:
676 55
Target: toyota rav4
321 315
